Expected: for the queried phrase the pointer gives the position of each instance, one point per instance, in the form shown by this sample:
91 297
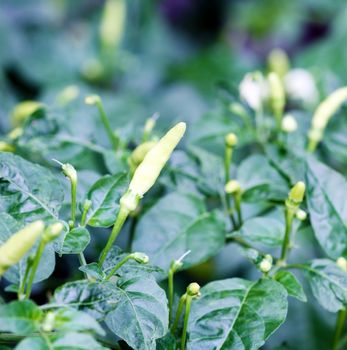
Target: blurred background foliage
174 57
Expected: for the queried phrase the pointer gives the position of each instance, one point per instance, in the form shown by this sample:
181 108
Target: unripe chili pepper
148 171
14 249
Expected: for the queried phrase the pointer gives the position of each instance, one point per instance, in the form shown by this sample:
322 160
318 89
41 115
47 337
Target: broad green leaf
236 314
166 343
263 230
65 341
291 284
175 224
21 317
72 242
9 226
328 283
72 320
105 195
260 180
134 309
326 200
28 191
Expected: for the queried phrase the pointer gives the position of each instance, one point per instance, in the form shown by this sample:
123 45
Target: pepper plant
255 174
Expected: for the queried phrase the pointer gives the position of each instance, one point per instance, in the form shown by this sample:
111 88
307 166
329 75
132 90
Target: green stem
289 215
73 203
86 208
25 278
340 322
226 199
120 264
34 267
237 200
113 139
227 162
312 145
186 319
178 312
122 216
171 290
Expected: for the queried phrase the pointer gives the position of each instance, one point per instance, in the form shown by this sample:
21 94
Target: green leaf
21 317
28 191
291 284
326 200
68 319
328 283
260 180
9 226
134 309
65 341
105 195
264 230
236 314
72 242
175 224
166 343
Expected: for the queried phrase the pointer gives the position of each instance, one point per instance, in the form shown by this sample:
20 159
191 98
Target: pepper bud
301 215
193 290
296 195
266 264
48 322
232 186
24 110
230 140
92 100
140 258
149 170
342 263
289 124
14 249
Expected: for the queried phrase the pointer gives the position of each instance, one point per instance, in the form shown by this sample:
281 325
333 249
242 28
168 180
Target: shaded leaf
72 242
175 224
291 284
326 200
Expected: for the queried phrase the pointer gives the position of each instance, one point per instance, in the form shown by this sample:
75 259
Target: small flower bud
230 140
92 99
53 231
86 205
140 258
176 265
265 266
48 322
297 193
67 95
232 186
301 215
342 263
237 108
14 249
193 290
289 124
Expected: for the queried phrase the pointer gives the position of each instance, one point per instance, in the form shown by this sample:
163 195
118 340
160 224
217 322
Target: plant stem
178 312
122 216
86 208
340 322
237 200
25 278
227 162
289 214
120 264
34 267
171 290
113 139
189 299
73 203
